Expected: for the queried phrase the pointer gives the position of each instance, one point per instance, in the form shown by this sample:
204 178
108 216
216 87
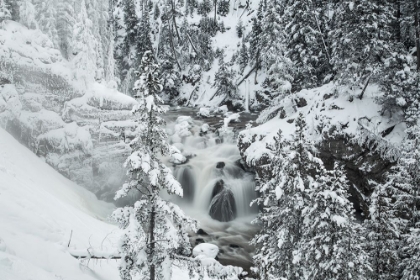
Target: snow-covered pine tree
243 57
4 11
131 22
240 29
400 84
410 163
47 19
385 225
255 39
204 8
360 40
283 198
306 41
154 230
223 81
272 48
223 7
143 40
65 23
331 245
83 48
28 14
13 6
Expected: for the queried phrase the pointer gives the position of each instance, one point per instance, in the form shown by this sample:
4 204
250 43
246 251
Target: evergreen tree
331 245
65 23
283 199
360 40
156 12
13 6
28 14
240 29
131 21
306 41
384 228
47 15
223 81
243 57
409 164
4 11
143 40
272 48
84 48
223 7
154 230
204 8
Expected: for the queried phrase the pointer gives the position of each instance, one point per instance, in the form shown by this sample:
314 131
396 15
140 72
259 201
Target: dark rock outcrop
222 204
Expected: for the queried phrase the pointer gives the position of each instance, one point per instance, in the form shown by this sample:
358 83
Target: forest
281 134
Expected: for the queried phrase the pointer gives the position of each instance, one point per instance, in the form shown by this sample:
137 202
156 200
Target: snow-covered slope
38 210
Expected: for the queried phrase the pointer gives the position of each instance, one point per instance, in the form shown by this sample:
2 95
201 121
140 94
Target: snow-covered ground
39 211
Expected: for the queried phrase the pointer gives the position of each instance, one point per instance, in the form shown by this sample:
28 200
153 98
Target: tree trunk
174 20
215 11
152 240
257 64
416 26
398 21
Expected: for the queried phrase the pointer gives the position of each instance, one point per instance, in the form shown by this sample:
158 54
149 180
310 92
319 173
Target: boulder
222 205
206 250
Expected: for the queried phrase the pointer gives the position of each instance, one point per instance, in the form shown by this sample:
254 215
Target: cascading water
217 187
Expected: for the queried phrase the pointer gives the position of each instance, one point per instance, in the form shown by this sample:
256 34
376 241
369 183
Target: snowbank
323 108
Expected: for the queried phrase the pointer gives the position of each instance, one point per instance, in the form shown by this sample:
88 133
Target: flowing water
218 188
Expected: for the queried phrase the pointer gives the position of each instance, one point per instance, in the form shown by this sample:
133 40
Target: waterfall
214 182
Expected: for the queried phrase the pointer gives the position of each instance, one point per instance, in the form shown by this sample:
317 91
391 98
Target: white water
199 176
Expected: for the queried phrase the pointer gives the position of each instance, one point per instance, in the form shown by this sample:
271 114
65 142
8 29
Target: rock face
222 205
362 166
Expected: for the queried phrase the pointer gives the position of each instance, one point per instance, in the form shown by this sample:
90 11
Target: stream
218 187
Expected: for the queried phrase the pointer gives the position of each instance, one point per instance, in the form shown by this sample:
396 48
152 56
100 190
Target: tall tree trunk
416 26
215 11
257 65
152 240
398 21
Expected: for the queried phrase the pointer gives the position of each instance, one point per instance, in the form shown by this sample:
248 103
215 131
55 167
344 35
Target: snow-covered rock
204 112
205 250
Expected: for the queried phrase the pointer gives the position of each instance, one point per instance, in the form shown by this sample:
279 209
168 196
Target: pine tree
384 228
4 11
143 40
306 41
204 8
283 199
28 14
84 46
272 48
410 165
131 21
331 245
240 29
243 57
47 15
360 40
223 81
223 7
65 23
154 230
13 6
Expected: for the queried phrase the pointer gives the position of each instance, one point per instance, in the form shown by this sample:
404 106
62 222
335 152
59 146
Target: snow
40 210
327 106
205 250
